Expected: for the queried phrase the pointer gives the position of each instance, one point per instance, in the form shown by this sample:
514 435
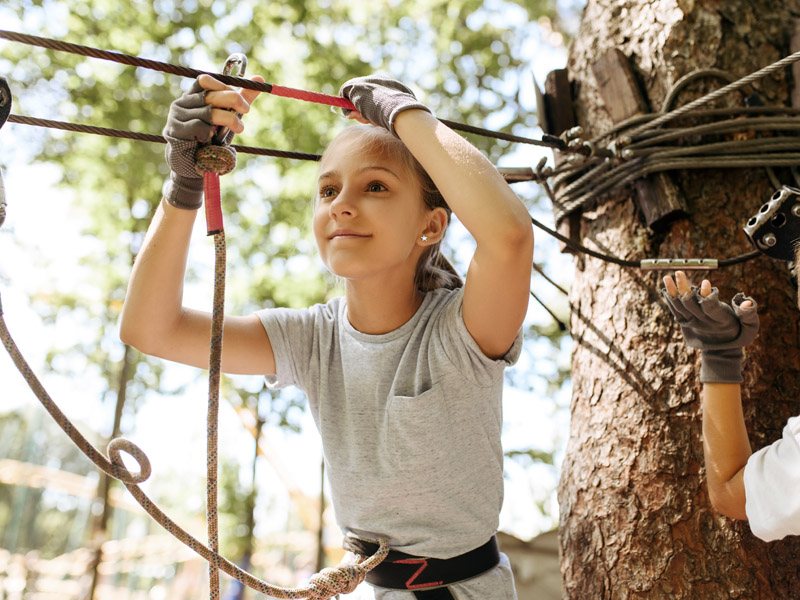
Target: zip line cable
269 88
643 157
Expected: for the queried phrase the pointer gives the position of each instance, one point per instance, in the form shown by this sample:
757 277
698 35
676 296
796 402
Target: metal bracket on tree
775 228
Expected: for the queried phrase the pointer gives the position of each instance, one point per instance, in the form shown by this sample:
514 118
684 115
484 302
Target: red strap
212 201
317 97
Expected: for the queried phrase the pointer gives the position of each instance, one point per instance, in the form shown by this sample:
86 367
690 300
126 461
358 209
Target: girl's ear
434 227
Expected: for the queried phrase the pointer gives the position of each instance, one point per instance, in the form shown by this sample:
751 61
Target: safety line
270 88
513 173
636 264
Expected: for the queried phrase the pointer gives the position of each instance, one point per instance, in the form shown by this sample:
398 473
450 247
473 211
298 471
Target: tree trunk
636 521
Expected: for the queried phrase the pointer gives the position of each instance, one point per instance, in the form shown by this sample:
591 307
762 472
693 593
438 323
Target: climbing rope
212 161
337 580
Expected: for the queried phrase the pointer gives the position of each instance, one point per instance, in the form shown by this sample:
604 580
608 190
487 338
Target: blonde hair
433 270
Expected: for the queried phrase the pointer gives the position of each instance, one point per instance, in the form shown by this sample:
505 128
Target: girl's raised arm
497 286
153 317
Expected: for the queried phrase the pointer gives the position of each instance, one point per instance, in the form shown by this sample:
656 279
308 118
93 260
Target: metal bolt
796 210
769 239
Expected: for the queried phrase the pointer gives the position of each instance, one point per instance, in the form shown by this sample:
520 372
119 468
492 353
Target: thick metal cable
269 88
573 193
145 137
708 98
636 264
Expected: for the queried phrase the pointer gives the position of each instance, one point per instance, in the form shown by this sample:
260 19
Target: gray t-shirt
410 421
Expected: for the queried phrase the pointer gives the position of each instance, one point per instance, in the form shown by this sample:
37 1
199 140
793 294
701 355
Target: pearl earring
424 238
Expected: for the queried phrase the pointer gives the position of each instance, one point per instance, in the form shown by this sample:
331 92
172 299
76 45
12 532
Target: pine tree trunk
636 521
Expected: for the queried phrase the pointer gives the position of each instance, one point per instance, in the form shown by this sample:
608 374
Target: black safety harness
427 578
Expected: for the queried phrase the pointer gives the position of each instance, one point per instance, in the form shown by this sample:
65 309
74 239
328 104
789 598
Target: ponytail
434 271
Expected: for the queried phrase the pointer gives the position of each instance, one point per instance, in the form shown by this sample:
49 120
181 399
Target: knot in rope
342 579
118 469
215 159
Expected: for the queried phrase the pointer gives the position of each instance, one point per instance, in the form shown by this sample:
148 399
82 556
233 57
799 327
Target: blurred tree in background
468 60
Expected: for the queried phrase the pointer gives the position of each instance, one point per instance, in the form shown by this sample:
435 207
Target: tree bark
635 519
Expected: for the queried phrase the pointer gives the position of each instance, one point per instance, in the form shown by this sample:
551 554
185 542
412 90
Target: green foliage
466 59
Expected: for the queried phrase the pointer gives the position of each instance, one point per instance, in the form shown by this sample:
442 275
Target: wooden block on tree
570 227
659 198
559 113
556 117
617 85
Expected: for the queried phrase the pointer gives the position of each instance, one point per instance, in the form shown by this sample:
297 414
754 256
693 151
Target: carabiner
235 66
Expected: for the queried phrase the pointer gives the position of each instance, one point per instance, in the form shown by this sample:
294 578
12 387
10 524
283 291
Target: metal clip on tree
775 228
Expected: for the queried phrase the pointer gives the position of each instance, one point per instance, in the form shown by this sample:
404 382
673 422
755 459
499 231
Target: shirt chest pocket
420 431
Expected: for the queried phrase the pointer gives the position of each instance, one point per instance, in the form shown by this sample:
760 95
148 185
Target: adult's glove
379 99
719 330
188 125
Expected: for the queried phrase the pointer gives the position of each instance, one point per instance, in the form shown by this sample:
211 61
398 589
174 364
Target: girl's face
369 214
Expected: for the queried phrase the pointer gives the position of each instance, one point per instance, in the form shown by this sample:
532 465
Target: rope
317 587
269 88
211 162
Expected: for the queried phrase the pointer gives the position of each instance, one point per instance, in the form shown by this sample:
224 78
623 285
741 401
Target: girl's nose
342 205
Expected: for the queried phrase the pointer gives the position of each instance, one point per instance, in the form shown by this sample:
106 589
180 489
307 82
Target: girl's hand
191 121
718 329
681 286
378 100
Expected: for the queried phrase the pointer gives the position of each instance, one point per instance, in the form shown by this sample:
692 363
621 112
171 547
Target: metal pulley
775 228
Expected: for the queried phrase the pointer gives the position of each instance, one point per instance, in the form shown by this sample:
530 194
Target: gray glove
379 99
188 125
719 330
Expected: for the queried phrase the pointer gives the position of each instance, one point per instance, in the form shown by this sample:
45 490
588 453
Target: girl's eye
376 187
327 192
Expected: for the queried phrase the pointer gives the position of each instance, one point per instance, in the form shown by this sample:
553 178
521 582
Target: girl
404 374
741 485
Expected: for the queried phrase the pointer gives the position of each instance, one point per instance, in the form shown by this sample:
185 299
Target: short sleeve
772 486
462 349
291 334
